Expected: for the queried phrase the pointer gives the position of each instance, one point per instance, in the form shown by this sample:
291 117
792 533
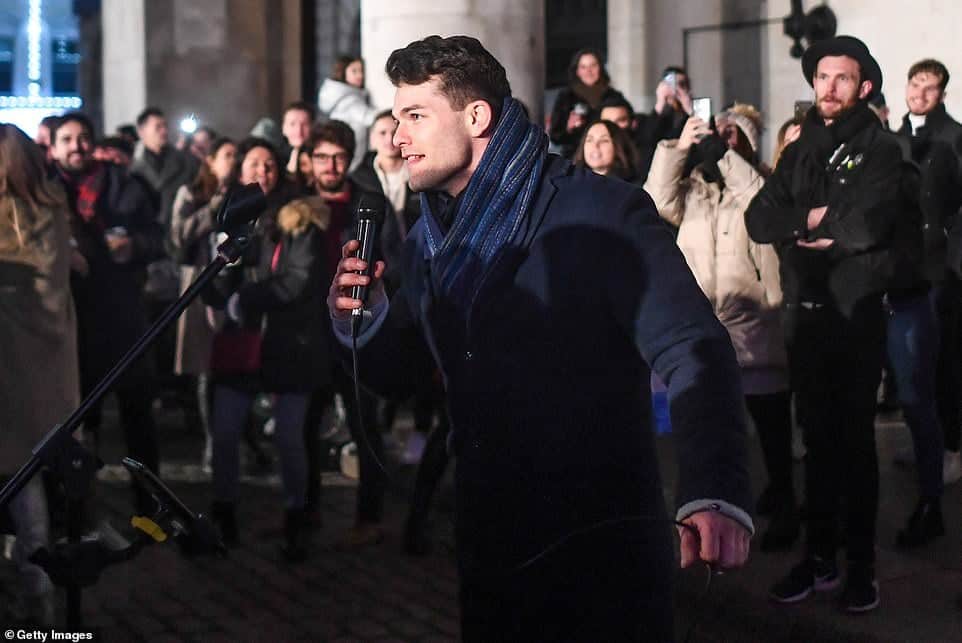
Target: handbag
236 351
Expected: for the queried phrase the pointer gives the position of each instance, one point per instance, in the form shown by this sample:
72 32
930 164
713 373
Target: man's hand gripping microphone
370 218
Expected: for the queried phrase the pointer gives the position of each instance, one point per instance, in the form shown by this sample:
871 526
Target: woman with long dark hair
38 349
274 340
702 184
192 223
579 103
607 150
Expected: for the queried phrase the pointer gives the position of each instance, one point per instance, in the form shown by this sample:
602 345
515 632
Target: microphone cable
711 569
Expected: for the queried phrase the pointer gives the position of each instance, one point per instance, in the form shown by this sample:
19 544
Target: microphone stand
60 451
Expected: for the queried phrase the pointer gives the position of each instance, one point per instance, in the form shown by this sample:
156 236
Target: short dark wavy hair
336 132
931 66
72 117
466 70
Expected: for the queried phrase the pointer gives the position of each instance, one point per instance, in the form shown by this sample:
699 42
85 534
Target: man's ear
865 89
479 118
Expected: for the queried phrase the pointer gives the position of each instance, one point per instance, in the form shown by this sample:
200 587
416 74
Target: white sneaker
952 467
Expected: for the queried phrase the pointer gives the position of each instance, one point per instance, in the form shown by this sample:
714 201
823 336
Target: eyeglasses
340 158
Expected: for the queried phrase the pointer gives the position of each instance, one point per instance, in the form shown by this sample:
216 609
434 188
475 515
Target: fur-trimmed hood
295 216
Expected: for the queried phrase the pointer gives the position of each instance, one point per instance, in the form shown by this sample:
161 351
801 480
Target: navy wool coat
548 379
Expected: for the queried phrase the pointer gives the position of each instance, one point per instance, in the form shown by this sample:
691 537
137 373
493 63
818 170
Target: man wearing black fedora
833 209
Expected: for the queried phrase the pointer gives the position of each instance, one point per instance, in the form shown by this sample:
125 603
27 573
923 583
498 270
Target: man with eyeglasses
332 148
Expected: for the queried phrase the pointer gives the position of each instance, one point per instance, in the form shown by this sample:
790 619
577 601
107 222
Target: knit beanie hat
747 118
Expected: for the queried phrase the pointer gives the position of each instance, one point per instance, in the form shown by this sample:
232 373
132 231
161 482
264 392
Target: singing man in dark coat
545 294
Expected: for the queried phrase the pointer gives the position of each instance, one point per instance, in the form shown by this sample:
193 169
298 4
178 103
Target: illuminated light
188 125
41 102
33 89
34 29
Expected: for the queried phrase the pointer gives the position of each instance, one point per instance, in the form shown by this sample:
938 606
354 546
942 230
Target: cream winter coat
352 105
739 276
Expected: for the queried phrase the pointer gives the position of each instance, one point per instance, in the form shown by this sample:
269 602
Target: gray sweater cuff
371 320
722 507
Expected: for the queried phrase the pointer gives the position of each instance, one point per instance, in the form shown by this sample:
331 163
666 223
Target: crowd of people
838 263
113 229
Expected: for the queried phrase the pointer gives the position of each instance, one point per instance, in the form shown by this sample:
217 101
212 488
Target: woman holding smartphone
588 86
702 183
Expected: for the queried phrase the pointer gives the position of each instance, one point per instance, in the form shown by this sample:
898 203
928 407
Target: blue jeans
913 348
231 408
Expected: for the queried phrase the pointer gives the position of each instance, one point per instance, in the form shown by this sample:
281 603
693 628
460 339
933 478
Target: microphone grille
370 207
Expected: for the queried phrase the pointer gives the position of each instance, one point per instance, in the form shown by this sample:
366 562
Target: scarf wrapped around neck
83 190
490 211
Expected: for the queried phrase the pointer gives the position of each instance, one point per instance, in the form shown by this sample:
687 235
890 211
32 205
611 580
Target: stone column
512 31
229 62
124 61
627 53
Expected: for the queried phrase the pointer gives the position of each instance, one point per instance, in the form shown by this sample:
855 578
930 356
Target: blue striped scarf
492 209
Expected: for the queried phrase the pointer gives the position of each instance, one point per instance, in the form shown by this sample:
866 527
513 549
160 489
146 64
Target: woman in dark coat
273 295
579 103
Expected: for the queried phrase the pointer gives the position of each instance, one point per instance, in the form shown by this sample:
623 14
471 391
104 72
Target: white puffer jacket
352 105
739 276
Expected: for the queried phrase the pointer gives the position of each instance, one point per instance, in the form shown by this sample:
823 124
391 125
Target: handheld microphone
370 217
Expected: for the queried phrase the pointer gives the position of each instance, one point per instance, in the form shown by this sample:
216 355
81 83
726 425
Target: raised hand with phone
673 91
694 130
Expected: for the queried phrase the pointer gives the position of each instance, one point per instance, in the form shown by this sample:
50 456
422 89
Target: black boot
923 526
294 549
224 516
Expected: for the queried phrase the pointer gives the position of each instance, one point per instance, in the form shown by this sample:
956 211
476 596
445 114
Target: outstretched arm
656 300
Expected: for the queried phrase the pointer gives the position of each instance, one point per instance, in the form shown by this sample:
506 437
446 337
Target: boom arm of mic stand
55 446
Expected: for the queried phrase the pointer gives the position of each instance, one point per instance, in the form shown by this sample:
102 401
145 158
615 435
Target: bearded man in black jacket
833 208
116 235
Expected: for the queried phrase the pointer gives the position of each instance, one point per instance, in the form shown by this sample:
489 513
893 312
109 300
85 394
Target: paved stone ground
379 594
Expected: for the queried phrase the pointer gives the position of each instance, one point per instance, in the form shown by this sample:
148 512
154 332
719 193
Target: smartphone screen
701 107
801 108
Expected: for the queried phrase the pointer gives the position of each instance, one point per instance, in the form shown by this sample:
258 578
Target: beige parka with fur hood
739 276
